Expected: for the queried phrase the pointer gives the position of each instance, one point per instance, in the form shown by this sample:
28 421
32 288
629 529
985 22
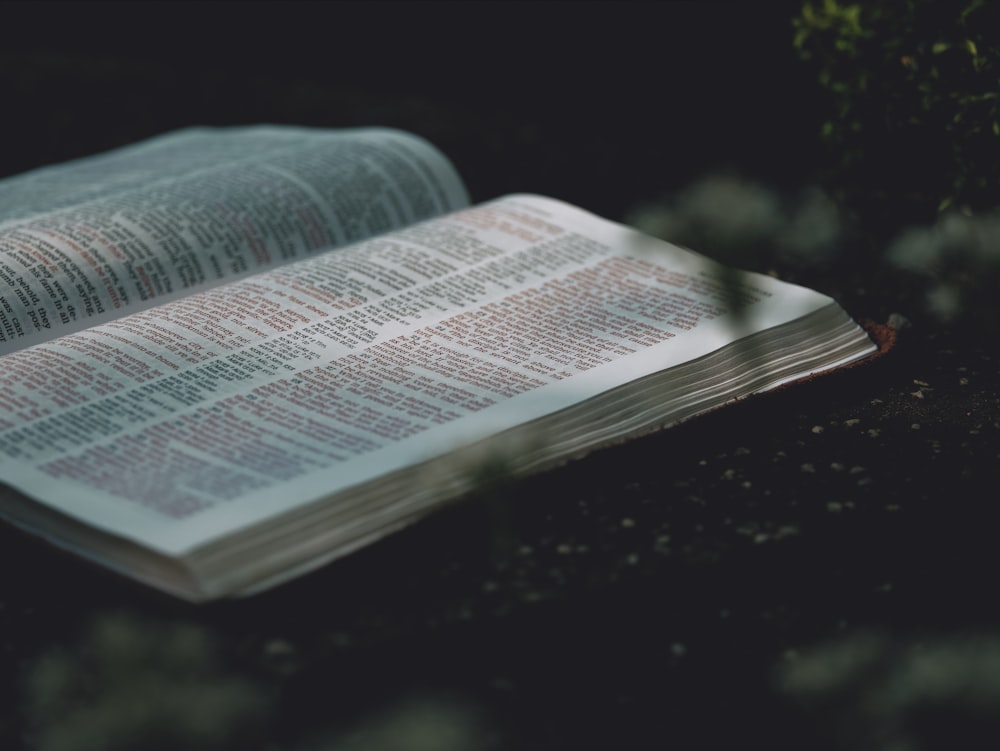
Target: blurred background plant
913 112
913 129
958 259
746 223
911 125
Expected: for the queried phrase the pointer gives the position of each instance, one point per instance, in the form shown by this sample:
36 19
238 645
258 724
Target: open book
230 356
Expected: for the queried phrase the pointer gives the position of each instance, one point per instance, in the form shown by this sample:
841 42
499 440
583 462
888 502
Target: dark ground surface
814 569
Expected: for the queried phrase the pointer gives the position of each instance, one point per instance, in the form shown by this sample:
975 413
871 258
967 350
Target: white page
317 376
92 240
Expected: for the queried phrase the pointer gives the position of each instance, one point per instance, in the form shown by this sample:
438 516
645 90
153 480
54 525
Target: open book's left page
93 240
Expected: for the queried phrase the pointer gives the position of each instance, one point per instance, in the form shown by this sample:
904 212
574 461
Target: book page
93 240
179 424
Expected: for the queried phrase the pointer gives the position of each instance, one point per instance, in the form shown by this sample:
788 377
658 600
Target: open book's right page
180 424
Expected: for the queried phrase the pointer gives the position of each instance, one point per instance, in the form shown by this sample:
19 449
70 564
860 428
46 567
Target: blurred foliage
958 259
132 684
871 692
493 483
914 116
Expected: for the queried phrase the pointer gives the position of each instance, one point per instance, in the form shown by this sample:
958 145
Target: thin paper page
221 410
91 241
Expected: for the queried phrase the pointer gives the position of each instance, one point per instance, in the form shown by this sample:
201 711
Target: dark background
814 569
597 103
